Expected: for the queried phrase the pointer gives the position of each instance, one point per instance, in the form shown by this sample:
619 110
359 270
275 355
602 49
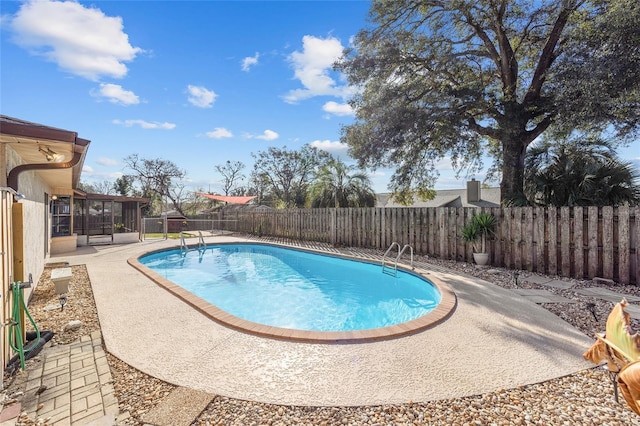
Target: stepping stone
559 284
599 280
181 407
52 307
10 413
590 291
606 294
536 279
542 296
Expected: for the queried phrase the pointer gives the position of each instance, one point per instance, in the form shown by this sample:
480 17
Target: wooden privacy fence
579 242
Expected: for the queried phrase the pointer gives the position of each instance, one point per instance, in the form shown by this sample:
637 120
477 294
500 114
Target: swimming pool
283 292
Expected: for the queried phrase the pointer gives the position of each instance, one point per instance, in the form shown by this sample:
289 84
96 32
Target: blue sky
194 82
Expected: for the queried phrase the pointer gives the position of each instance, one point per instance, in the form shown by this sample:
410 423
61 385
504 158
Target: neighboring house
473 196
41 211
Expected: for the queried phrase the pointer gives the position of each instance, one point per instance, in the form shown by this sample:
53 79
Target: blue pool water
295 289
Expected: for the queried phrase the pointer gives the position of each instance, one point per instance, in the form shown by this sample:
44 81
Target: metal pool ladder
390 266
183 244
184 248
201 244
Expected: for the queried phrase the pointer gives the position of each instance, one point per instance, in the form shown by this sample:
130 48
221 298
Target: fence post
565 241
636 223
165 227
607 242
592 229
578 241
624 268
333 229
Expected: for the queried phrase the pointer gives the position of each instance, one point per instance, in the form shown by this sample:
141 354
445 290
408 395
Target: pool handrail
406 246
183 244
387 265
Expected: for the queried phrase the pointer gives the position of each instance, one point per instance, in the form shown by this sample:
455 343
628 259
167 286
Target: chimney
473 191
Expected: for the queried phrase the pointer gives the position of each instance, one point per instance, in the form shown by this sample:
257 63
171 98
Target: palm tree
339 185
578 173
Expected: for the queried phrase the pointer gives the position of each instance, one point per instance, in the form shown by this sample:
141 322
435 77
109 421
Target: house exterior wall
34 210
3 165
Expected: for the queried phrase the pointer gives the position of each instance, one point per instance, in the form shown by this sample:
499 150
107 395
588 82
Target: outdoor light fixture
592 308
63 301
50 154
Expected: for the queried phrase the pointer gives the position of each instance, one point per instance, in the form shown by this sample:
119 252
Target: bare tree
231 173
158 179
105 187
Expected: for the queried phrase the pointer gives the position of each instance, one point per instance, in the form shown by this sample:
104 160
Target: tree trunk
513 151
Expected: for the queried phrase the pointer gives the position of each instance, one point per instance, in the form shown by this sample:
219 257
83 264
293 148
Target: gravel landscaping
584 398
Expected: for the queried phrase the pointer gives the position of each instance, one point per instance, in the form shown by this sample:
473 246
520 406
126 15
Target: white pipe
18 195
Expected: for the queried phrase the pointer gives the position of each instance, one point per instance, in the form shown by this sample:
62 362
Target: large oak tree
462 78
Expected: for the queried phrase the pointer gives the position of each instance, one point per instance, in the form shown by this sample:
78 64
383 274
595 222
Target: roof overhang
81 195
56 155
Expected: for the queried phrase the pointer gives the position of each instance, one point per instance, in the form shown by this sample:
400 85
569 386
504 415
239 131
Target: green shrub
480 227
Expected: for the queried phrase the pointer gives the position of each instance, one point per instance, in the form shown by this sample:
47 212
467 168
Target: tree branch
548 56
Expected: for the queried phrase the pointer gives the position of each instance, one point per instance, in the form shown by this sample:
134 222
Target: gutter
12 179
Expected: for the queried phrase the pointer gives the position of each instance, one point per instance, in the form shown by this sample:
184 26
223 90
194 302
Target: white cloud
91 176
313 66
337 109
380 180
250 61
444 164
107 161
335 148
117 95
267 135
378 173
219 133
201 96
82 41
145 124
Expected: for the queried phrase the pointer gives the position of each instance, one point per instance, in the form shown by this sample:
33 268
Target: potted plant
481 227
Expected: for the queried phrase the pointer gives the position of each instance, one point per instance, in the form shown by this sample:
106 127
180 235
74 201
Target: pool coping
440 313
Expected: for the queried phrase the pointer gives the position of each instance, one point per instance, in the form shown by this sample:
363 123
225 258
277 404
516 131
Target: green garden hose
15 328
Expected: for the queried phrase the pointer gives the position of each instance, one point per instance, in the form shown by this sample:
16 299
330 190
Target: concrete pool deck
495 339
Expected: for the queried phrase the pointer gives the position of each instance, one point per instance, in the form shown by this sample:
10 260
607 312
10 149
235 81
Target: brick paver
78 385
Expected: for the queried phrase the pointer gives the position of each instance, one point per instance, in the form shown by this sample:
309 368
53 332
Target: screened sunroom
99 218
